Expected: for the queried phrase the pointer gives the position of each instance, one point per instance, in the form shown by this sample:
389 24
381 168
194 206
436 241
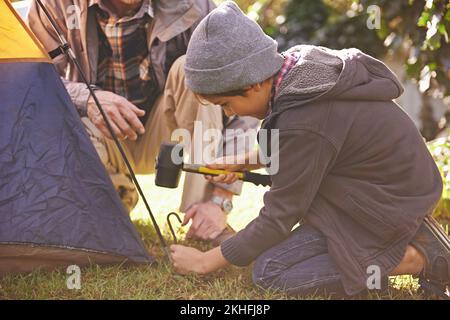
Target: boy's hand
241 162
229 163
123 115
187 260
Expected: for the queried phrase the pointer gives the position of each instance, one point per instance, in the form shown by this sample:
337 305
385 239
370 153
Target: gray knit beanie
229 51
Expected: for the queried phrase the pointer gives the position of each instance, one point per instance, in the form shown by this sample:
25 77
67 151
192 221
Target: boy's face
254 102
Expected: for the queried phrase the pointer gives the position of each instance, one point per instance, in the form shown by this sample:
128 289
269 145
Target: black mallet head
169 165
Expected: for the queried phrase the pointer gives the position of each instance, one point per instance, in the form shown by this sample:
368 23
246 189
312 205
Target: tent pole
67 50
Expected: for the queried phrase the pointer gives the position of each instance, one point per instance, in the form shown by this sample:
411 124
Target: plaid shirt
290 59
124 60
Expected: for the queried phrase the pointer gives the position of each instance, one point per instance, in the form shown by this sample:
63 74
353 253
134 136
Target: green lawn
160 282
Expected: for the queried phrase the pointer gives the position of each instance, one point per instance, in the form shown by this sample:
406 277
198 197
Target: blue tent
58 206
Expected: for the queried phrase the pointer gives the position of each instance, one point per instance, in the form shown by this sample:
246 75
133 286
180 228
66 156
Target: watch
225 204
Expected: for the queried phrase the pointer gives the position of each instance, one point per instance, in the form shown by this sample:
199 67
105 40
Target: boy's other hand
228 163
241 162
186 260
123 115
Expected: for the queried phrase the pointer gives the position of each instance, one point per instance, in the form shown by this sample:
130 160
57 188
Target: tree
416 30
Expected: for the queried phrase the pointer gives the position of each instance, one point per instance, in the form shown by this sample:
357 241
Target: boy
353 169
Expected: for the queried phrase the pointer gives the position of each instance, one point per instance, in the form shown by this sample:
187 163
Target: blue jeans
300 265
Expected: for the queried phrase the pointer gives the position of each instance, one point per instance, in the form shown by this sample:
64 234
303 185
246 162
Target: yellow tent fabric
17 42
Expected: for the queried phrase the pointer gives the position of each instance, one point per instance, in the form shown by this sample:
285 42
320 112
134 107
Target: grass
160 282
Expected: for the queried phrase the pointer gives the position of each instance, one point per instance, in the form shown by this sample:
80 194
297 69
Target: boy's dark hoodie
352 164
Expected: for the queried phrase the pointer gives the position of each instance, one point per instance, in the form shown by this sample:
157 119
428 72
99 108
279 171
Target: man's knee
121 181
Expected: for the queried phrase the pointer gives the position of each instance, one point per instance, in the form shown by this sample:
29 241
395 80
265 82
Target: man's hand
186 260
123 115
208 221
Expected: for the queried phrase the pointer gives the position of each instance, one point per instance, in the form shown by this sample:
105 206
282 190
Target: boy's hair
201 97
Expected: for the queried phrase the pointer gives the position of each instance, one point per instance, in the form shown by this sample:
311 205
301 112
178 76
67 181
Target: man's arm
41 27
